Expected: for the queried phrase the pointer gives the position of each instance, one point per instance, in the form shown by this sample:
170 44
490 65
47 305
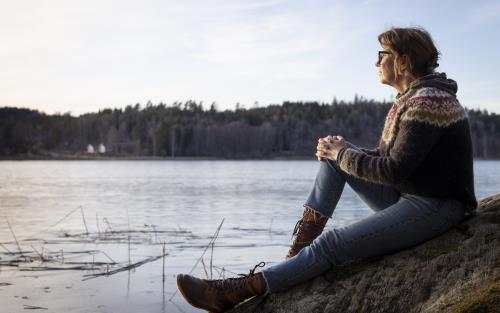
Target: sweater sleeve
372 152
414 140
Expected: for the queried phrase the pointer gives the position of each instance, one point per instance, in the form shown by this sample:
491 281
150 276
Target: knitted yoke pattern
425 148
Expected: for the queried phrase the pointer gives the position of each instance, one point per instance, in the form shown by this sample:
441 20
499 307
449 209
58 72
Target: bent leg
329 185
410 221
376 196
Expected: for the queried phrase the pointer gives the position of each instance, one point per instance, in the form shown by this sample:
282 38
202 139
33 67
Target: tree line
186 129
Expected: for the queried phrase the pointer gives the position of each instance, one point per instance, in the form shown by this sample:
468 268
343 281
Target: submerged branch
125 268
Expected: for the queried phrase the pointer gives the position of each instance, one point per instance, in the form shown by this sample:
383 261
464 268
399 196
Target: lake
82 212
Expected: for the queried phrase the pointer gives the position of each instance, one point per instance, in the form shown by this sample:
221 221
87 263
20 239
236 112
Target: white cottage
90 149
101 149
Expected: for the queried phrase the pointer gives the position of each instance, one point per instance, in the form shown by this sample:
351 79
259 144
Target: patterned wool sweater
425 148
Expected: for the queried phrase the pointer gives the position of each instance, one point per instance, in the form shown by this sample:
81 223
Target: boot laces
236 283
297 228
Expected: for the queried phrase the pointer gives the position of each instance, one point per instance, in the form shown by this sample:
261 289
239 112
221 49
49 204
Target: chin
385 81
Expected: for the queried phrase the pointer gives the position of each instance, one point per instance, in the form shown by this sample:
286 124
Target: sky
60 56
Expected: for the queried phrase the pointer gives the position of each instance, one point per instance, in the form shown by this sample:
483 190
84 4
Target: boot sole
189 299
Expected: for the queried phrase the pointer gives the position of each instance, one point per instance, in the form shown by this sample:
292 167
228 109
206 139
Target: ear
404 63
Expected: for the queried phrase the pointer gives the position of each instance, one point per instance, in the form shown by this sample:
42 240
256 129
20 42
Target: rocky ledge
458 271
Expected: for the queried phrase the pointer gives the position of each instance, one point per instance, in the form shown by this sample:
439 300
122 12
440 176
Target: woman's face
385 64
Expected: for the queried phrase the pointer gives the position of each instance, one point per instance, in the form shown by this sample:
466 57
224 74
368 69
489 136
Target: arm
415 139
372 152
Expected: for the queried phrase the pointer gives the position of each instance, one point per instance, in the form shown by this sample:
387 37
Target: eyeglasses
381 55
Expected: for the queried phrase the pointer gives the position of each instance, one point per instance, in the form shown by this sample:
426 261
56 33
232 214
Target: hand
329 147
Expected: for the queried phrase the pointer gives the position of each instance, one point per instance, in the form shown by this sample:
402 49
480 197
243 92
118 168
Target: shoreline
160 159
83 157
86 157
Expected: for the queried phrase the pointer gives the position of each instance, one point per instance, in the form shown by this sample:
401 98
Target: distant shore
101 157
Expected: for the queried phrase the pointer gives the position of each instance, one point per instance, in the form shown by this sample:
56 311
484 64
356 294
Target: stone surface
458 271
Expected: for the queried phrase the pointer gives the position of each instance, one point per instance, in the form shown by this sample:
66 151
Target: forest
187 129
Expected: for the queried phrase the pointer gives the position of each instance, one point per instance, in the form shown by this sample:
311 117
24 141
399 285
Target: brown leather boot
306 230
222 294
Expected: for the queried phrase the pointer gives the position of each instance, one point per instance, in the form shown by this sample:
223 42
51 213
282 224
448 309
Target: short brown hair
417 44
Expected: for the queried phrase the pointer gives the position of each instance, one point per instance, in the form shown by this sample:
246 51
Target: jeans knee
333 165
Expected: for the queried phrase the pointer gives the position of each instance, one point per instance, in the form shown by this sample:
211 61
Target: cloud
89 53
81 56
274 42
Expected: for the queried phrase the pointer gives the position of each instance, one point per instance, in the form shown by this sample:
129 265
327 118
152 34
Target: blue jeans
400 221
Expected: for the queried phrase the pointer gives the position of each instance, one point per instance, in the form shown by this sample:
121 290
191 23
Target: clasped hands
329 147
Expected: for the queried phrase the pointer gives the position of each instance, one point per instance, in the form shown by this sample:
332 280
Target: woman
419 181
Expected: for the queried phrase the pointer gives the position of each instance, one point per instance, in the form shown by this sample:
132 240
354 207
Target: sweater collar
436 80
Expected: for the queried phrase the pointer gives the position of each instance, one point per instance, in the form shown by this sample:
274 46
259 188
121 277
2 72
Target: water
260 201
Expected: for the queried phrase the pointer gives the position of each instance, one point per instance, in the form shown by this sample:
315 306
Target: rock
456 272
